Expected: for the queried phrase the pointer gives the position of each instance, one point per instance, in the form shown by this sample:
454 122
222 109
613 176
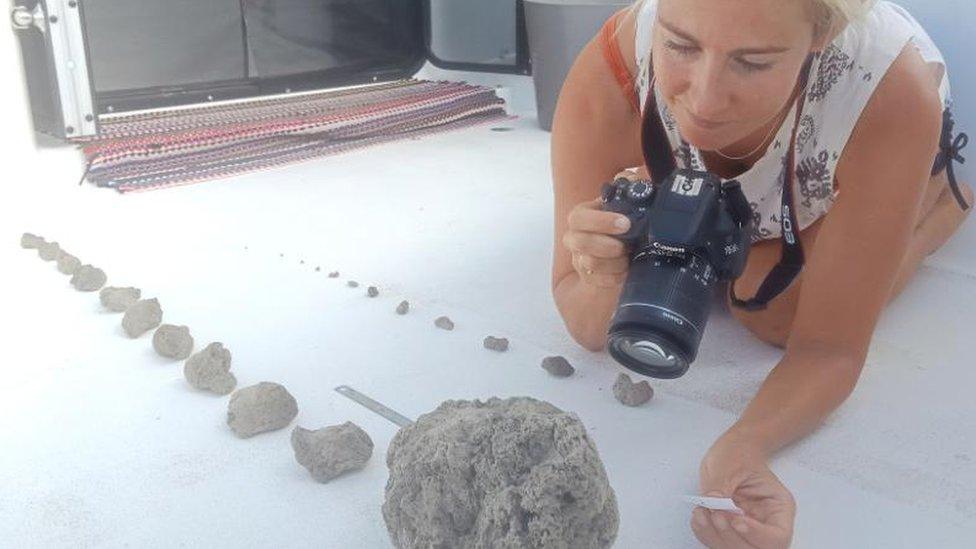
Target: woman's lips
703 123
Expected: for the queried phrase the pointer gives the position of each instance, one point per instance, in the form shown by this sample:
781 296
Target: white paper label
716 504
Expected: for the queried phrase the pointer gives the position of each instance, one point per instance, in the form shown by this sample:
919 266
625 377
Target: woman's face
727 67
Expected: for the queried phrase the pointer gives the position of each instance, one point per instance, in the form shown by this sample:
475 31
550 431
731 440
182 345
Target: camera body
686 234
693 213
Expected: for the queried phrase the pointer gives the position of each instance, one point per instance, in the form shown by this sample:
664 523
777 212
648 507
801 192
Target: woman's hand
599 257
737 469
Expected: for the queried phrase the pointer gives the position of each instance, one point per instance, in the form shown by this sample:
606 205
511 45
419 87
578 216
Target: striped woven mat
152 150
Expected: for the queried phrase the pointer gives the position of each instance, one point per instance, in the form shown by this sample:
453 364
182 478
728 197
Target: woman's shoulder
857 82
907 97
861 53
625 23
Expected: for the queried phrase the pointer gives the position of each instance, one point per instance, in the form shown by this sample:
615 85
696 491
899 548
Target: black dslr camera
685 235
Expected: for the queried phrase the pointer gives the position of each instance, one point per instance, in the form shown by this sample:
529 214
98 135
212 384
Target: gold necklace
765 139
773 128
762 144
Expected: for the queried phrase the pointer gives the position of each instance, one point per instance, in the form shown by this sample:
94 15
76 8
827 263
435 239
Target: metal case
86 58
56 66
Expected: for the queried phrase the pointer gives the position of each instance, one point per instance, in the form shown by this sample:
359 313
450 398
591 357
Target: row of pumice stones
265 406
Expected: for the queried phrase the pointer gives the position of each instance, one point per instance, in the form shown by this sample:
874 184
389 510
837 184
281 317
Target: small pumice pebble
558 366
260 408
48 251
331 451
173 342
88 278
630 393
372 291
444 323
142 316
30 241
403 308
67 263
118 300
499 344
352 284
209 370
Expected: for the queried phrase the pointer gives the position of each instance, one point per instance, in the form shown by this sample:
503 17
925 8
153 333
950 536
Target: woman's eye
681 49
754 66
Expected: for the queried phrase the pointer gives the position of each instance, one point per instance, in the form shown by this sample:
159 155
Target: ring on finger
587 270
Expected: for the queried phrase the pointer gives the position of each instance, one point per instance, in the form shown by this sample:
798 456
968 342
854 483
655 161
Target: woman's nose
708 93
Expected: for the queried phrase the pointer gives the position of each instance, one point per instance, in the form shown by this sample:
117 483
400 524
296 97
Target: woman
728 78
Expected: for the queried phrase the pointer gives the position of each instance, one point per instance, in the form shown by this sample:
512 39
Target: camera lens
661 316
647 356
649 352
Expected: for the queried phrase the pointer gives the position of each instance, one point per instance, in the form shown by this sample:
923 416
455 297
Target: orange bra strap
611 52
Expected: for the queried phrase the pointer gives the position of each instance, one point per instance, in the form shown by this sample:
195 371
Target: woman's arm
595 134
845 285
855 260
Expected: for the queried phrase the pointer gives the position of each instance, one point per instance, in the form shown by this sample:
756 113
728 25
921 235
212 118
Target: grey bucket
557 31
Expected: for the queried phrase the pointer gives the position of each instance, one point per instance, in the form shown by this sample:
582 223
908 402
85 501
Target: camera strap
660 163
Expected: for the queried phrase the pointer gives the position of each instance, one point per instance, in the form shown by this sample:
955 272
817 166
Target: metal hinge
22 18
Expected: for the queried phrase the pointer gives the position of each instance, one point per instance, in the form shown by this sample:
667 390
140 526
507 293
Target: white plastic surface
104 445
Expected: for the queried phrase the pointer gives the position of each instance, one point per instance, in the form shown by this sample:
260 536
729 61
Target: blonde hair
827 15
836 14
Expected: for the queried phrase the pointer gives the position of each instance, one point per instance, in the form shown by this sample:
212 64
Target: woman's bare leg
940 217
934 230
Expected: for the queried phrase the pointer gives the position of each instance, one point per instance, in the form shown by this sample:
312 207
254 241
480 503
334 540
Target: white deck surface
102 444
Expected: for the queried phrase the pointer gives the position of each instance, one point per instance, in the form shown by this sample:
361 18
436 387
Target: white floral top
843 78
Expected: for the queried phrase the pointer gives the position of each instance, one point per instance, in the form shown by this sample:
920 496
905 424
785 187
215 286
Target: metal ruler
374 406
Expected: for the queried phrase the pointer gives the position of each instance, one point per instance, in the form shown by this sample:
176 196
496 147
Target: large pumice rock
502 473
118 300
630 393
67 263
48 251
30 241
173 341
142 316
260 408
332 451
88 278
209 370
